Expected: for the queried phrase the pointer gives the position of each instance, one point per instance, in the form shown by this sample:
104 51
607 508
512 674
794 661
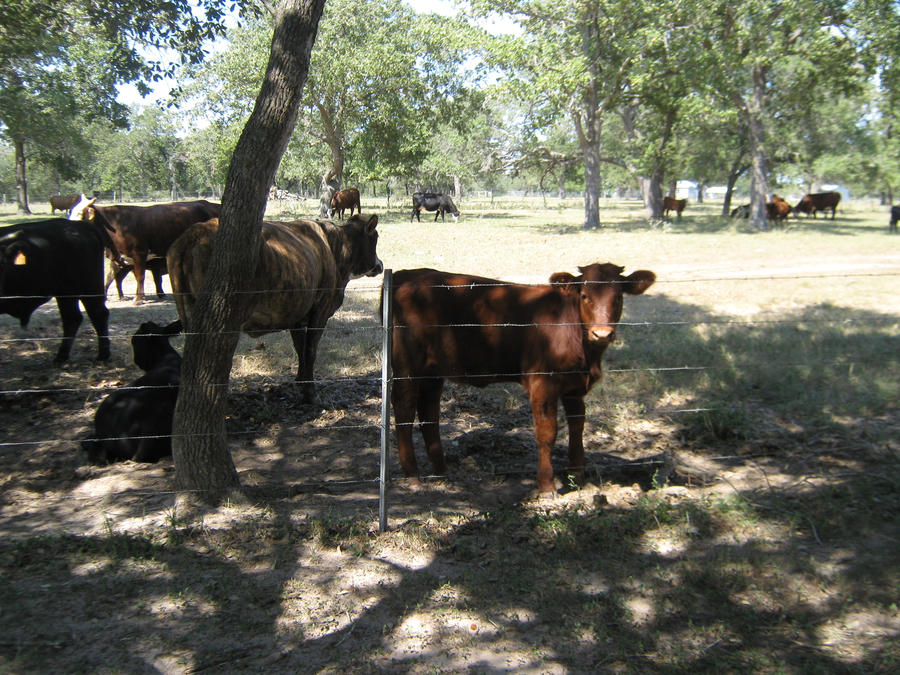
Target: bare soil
775 552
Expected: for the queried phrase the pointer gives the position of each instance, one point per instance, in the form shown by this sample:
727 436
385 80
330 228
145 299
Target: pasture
741 510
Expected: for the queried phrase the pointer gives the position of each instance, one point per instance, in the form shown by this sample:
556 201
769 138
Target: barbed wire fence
381 337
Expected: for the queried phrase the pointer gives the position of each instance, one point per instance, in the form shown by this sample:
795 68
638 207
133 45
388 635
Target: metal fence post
386 320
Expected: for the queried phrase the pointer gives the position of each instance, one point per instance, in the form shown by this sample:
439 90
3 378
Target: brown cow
672 204
345 199
777 209
549 338
63 202
144 231
820 201
303 269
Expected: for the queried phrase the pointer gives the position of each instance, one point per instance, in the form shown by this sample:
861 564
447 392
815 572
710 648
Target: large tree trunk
759 163
21 180
331 179
203 464
651 191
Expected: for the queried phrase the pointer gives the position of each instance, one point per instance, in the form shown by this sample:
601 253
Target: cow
895 217
62 259
672 204
742 211
142 231
63 203
303 269
135 422
119 268
433 201
777 209
820 201
345 199
475 330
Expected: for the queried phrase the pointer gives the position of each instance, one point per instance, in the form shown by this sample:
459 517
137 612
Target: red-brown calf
473 330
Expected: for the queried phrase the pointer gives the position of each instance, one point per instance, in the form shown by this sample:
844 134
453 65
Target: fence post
386 321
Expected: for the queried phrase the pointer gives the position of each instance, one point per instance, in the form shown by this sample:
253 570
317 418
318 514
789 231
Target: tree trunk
759 165
332 179
651 191
21 180
203 463
592 184
457 188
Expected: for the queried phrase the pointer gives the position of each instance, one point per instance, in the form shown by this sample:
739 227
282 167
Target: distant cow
433 201
742 211
63 202
672 204
303 269
895 217
477 331
135 422
820 201
56 258
142 231
345 199
119 268
777 209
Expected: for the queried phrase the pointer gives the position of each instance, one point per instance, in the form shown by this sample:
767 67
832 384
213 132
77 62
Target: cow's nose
602 333
375 271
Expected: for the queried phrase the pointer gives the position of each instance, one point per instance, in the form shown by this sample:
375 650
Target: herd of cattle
550 338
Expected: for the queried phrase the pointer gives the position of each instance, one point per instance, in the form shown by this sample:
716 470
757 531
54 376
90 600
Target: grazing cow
777 209
135 422
742 211
345 199
433 201
672 204
56 258
303 269
549 338
895 217
63 203
142 231
820 201
119 268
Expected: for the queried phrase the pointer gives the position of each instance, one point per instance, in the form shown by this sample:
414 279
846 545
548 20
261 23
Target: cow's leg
139 269
158 281
574 407
99 316
306 342
71 320
543 410
404 395
429 409
415 214
438 212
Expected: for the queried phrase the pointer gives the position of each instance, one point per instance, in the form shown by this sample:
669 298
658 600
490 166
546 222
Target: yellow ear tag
20 259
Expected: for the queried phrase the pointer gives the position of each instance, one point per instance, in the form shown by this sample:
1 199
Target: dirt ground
775 552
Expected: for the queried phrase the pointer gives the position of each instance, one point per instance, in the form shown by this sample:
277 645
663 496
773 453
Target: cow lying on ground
135 422
820 201
62 203
777 209
742 211
473 330
142 231
672 204
433 201
56 258
304 267
343 200
895 217
119 268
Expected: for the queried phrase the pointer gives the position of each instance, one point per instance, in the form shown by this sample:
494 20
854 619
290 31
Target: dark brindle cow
549 338
820 201
303 269
56 258
672 204
63 203
433 201
135 422
343 200
895 217
142 231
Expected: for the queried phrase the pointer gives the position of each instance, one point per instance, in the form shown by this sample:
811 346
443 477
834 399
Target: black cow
60 259
433 201
895 216
742 211
135 422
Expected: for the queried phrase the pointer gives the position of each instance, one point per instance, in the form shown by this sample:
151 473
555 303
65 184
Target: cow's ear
370 226
88 213
565 281
637 282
